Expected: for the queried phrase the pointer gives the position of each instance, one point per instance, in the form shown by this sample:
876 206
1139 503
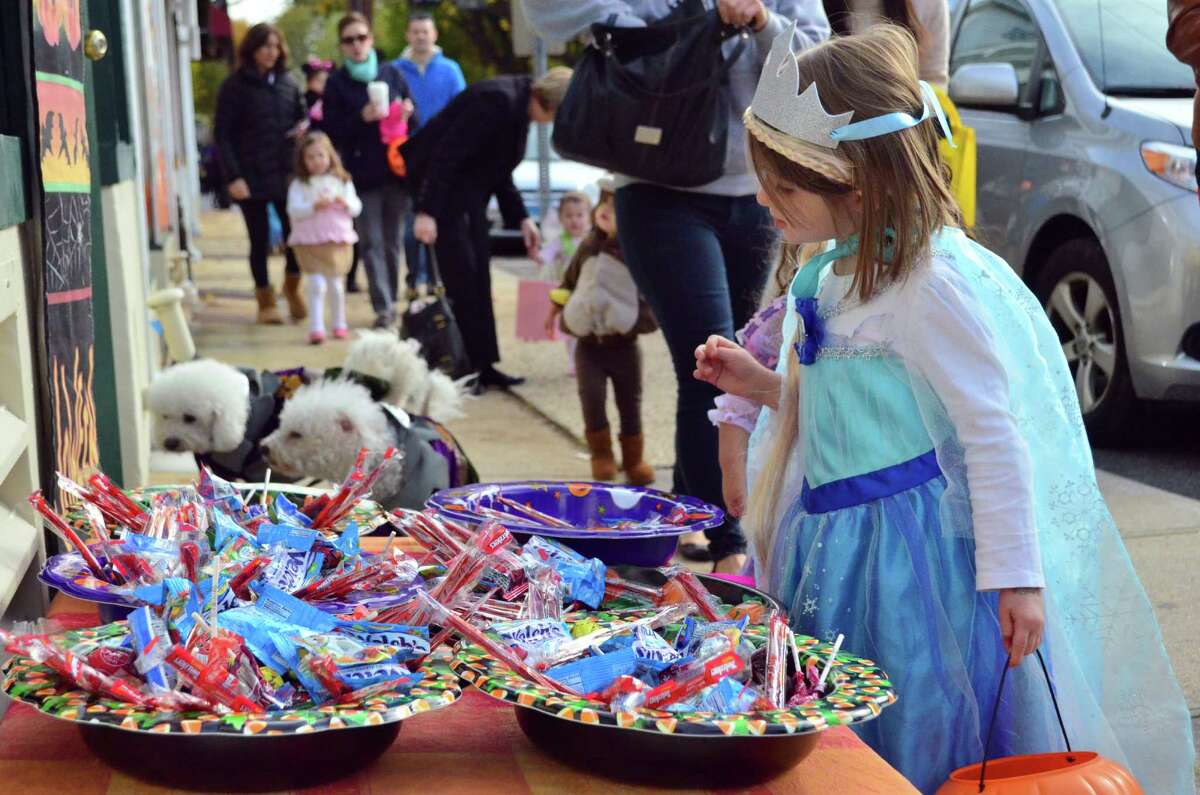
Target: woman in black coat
260 114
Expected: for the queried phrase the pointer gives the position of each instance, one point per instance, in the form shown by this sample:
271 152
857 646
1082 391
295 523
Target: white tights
314 287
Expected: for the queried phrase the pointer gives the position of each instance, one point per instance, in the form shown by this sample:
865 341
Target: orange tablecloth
474 746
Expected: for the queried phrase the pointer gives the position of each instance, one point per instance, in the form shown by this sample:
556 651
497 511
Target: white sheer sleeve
944 338
734 410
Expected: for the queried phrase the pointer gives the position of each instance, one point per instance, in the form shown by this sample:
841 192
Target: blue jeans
701 262
380 229
415 266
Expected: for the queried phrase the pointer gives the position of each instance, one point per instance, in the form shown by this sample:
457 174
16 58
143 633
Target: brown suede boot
268 313
604 466
637 471
291 291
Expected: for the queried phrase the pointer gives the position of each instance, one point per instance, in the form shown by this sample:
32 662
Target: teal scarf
364 71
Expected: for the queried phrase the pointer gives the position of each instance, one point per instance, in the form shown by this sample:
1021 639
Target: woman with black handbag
699 254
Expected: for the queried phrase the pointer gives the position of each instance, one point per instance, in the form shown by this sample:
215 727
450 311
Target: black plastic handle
996 709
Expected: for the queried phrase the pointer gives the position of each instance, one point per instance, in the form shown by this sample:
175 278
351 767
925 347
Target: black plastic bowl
230 763
650 551
665 760
669 760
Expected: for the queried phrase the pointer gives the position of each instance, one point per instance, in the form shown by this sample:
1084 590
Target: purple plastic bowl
643 537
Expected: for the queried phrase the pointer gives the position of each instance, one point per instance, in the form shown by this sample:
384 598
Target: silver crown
777 100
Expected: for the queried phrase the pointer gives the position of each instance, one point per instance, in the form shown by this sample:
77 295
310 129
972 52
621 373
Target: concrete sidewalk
536 431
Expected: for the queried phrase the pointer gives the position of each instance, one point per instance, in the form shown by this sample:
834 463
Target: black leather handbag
649 102
432 324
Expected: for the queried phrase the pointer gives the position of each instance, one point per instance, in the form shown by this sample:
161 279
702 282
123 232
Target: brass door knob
95 46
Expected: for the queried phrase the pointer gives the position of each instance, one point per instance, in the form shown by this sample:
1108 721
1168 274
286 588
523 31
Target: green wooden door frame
104 81
111 90
14 116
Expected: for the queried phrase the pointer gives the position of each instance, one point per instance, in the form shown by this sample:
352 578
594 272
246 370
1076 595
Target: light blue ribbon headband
895 122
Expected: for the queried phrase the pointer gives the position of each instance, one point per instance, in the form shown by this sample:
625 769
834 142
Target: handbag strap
437 287
996 710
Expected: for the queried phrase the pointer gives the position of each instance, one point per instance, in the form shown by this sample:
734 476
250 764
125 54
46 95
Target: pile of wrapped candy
244 607
257 606
690 653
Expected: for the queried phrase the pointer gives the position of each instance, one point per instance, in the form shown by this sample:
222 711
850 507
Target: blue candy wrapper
653 652
583 578
411 641
225 530
728 696
288 651
289 536
150 643
288 609
591 674
356 677
288 569
286 512
347 543
530 633
159 592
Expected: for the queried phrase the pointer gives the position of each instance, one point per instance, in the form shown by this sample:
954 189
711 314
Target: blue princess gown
941 456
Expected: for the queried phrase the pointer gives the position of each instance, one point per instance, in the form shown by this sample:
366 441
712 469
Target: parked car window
1121 44
997 31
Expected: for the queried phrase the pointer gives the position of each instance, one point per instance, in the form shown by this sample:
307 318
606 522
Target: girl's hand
239 190
1022 618
740 13
730 368
732 443
407 108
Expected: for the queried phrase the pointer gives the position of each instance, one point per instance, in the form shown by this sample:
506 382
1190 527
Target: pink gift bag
533 305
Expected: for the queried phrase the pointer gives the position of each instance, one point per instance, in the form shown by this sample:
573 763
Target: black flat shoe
490 376
352 287
694 552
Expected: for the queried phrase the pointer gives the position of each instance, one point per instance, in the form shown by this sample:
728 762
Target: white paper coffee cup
377 93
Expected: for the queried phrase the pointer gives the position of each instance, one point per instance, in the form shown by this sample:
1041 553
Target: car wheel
1076 289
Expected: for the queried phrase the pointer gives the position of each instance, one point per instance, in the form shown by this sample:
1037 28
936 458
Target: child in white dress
322 206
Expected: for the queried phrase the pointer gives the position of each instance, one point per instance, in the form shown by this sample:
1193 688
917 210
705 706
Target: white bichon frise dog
199 406
324 425
413 386
217 412
221 413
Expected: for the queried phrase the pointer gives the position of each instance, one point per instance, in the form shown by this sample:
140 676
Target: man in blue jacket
434 80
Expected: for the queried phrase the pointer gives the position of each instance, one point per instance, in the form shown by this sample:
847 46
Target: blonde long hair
905 195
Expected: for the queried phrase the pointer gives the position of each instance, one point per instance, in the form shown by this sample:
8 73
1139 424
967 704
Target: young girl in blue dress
920 478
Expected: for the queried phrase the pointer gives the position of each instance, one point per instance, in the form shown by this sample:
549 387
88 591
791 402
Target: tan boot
637 471
604 466
291 291
268 313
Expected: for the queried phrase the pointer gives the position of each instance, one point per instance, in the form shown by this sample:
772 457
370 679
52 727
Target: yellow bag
960 159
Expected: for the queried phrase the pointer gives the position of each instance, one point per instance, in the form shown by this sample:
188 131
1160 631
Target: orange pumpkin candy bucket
1066 772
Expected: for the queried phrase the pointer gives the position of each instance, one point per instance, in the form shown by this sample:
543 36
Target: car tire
1076 288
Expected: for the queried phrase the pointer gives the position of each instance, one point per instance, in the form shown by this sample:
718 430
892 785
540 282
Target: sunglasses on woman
359 39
